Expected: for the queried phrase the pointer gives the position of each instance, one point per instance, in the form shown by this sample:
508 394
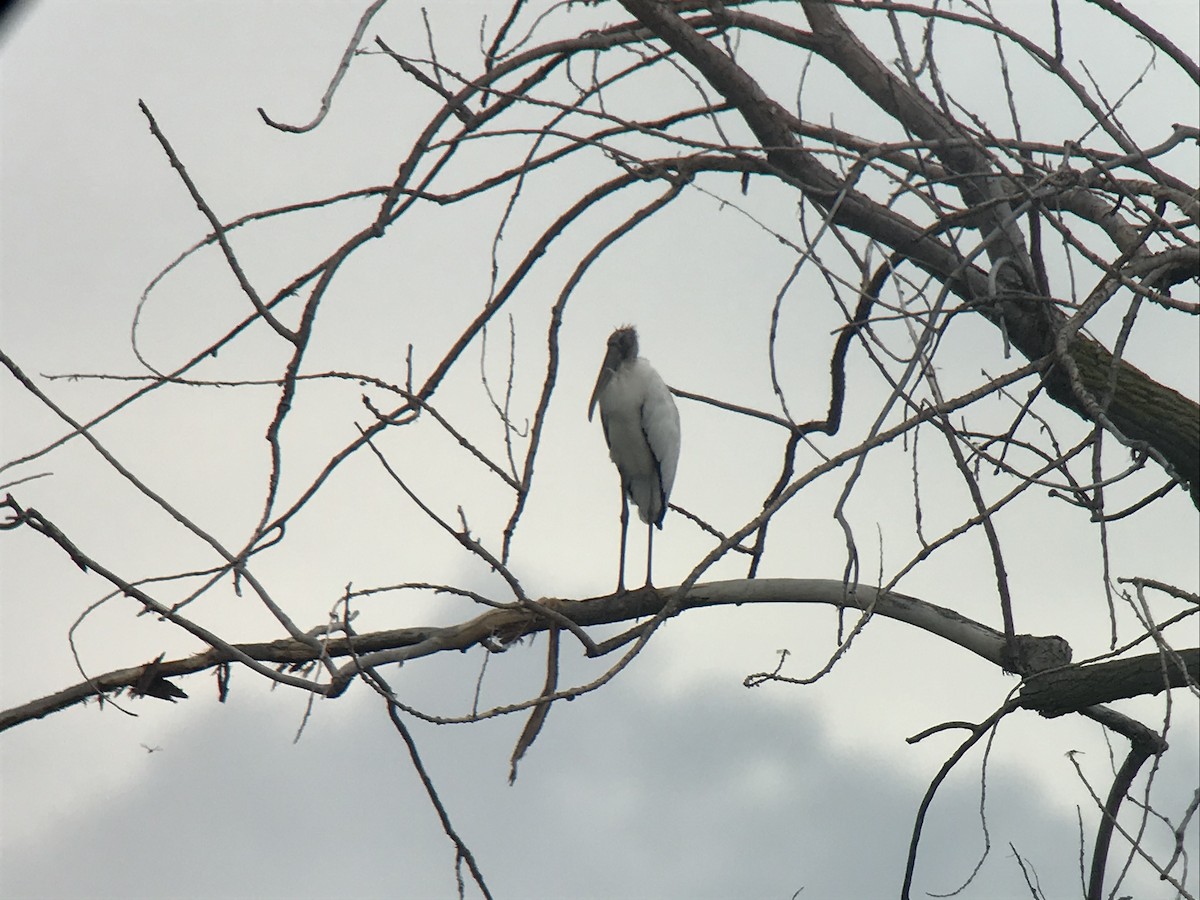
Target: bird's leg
624 528
649 549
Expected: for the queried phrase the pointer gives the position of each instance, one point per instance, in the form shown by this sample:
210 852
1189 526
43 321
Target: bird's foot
648 588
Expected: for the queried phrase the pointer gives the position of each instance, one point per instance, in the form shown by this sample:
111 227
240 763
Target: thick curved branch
1144 744
500 627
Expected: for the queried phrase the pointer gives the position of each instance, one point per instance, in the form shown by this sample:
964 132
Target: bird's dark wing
660 425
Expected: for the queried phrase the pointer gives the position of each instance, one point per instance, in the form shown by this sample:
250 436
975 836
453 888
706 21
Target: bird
641 428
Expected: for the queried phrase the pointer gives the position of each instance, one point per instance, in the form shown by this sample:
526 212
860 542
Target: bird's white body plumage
641 426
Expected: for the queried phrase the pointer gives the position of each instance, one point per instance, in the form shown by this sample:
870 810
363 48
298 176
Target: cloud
711 792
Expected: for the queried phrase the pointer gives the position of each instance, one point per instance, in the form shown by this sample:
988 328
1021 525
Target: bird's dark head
623 344
622 347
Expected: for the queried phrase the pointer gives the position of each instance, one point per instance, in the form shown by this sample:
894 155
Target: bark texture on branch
1075 688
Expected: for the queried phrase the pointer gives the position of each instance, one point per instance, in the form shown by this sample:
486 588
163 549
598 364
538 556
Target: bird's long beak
611 360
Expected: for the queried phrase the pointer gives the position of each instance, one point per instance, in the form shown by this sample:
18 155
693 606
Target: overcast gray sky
674 781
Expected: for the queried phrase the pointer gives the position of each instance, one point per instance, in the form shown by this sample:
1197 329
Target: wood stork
641 426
